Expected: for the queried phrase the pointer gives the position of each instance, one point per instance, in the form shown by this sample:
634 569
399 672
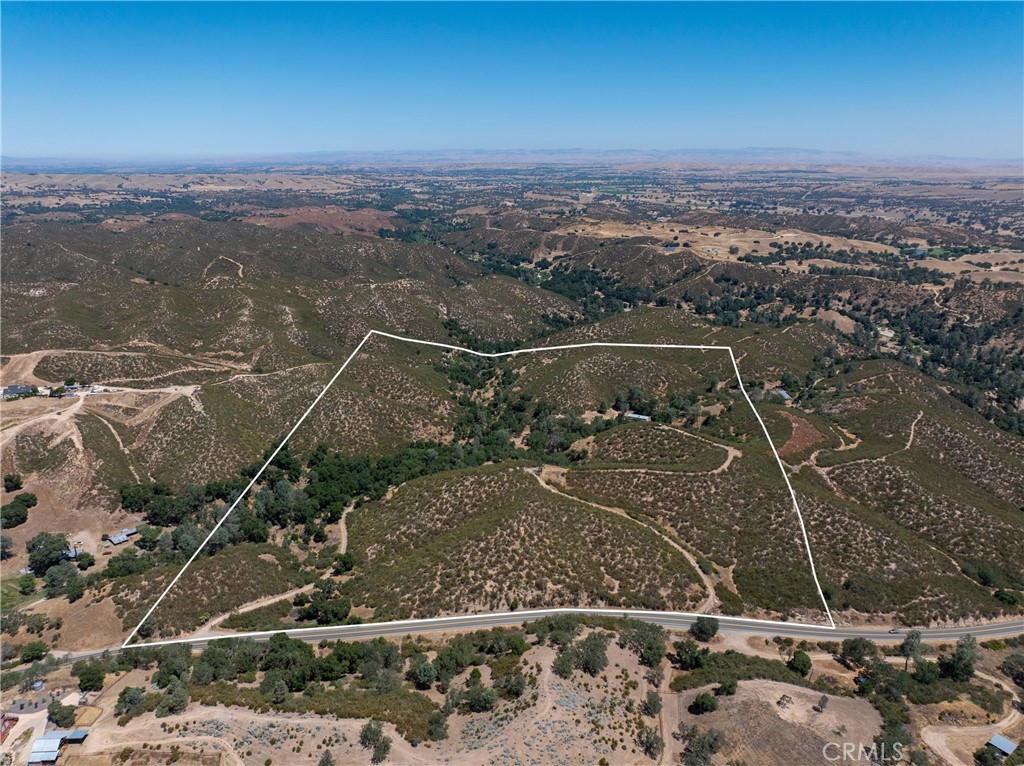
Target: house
1002 744
47 748
13 392
635 416
783 393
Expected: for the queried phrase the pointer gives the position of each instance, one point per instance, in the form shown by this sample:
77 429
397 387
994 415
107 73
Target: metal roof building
118 538
1002 744
46 749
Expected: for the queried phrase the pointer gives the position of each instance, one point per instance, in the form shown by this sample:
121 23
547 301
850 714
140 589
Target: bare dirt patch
759 730
841 322
803 436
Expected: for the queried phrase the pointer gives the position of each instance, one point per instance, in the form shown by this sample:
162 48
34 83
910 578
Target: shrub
800 663
61 716
564 663
481 698
727 688
63 579
700 745
652 703
437 726
90 678
423 675
733 665
703 703
650 742
371 733
13 515
174 701
130 700
12 482
960 665
855 650
646 639
85 560
1013 666
34 651
592 653
381 750
689 656
45 550
704 629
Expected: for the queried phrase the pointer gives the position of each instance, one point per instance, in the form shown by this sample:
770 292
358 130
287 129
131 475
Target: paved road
669 620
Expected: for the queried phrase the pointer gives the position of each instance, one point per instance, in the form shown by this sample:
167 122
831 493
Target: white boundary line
595 344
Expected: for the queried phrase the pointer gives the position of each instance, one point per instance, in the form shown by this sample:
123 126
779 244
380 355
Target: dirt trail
21 368
242 375
731 452
548 475
936 737
241 269
120 446
212 627
62 426
882 458
343 528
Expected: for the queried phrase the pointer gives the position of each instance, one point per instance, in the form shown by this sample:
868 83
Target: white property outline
594 344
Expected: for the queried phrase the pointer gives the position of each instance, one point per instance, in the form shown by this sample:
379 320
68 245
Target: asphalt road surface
668 620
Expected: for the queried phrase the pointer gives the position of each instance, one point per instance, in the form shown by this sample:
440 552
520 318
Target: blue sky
148 80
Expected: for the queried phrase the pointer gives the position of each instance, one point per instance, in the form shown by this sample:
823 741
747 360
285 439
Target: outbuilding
1002 744
47 748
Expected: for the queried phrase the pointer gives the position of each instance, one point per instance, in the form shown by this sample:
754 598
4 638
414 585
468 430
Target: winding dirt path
881 458
212 626
62 425
241 269
120 445
937 737
731 453
548 475
21 368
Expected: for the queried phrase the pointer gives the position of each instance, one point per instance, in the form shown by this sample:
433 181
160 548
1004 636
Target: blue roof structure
1001 743
46 749
71 735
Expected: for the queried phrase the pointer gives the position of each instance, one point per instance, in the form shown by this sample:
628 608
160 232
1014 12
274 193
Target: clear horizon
178 82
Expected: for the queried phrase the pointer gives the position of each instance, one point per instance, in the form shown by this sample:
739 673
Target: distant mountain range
745 156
